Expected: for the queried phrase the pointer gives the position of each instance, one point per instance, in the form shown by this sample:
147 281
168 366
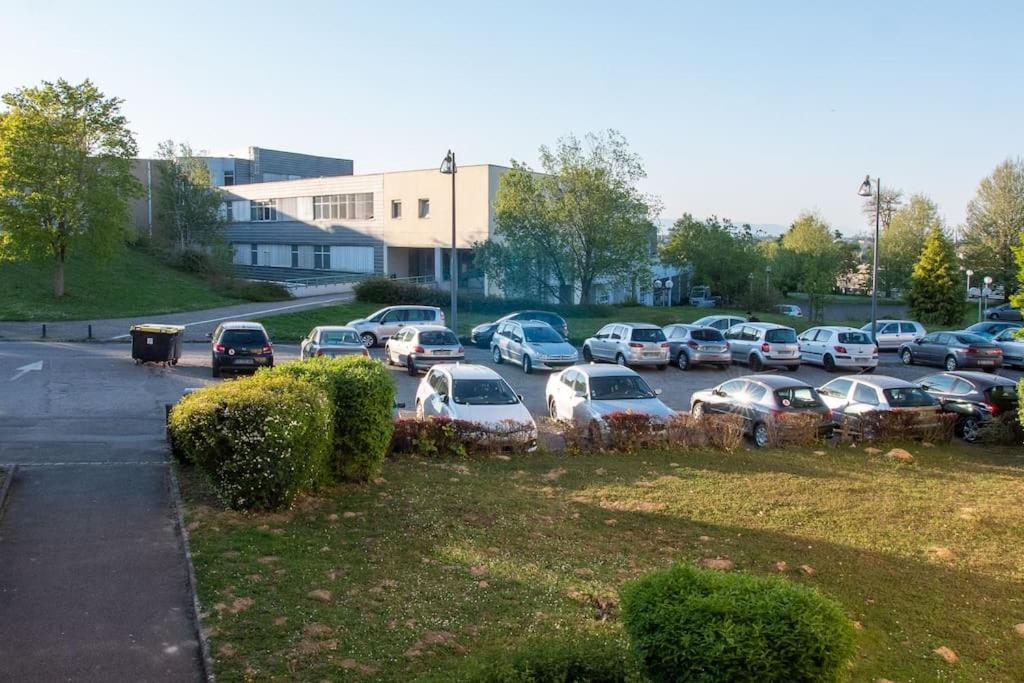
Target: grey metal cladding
297 232
243 172
293 163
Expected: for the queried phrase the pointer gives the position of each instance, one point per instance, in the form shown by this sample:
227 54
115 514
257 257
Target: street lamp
984 292
657 288
448 167
969 274
865 191
668 291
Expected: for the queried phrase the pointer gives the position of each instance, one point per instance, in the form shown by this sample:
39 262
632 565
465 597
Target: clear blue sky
754 111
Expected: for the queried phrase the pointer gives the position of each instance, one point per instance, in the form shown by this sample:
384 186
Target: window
824 335
424 208
908 328
940 383
396 208
229 213
733 388
865 394
962 387
263 211
343 206
322 257
837 388
647 335
782 336
229 176
254 255
756 392
295 256
908 397
706 335
854 338
798 397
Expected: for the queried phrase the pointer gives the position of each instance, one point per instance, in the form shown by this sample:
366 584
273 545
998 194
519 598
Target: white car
477 394
891 334
587 394
332 341
791 310
859 395
838 347
421 346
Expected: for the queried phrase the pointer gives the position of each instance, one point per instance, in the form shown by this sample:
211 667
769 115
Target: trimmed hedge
689 624
591 659
361 393
261 440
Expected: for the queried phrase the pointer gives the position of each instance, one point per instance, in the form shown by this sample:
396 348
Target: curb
179 522
6 488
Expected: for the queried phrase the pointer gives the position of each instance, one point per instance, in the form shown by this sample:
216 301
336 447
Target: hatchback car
760 398
475 393
691 345
1011 342
859 395
719 322
332 341
628 344
482 334
533 345
890 334
420 346
838 347
1004 312
587 394
990 329
764 345
953 351
240 346
385 323
791 310
973 396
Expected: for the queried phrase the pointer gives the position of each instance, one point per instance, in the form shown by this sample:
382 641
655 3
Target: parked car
240 346
974 397
478 394
719 322
990 329
838 347
791 310
628 344
760 398
421 346
953 351
532 344
764 345
891 334
482 334
691 345
385 323
1004 312
332 341
857 396
587 394
1012 346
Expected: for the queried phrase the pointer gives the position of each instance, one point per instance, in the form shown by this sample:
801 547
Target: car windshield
438 338
970 339
798 397
339 337
708 335
854 338
378 315
243 338
645 335
908 397
542 335
615 387
483 392
785 336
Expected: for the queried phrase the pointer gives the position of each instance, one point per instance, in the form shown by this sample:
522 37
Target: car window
643 334
339 337
734 332
1002 392
823 335
968 339
940 383
568 377
438 338
483 392
908 328
798 397
243 338
749 334
837 388
908 397
439 383
756 392
619 387
1009 334
733 387
394 315
865 394
603 332
961 386
580 385
677 332
706 335
614 334
929 338
888 328
781 336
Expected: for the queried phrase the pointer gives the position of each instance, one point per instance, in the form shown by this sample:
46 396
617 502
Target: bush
361 395
689 624
794 429
442 437
898 425
261 440
586 658
628 432
252 290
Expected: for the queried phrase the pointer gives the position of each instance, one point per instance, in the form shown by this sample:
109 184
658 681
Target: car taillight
664 345
636 345
418 349
971 350
997 352
875 352
220 348
840 349
765 348
992 407
267 348
692 344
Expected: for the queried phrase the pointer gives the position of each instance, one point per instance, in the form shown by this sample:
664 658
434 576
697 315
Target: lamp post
984 296
865 191
969 274
657 288
668 291
448 167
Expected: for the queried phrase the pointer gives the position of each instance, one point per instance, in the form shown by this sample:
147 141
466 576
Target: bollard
90 332
44 330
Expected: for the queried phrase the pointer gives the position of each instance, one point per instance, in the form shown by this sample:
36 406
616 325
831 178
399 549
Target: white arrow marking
24 369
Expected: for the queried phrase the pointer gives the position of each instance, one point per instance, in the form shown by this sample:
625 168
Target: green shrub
262 440
361 393
591 659
689 624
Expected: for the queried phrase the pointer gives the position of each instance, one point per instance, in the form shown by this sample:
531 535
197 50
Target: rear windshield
854 338
243 338
1002 392
645 335
542 335
970 339
438 338
798 397
339 337
785 336
709 335
908 397
549 318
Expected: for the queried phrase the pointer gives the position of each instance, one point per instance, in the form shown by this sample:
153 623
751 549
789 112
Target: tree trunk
586 286
58 274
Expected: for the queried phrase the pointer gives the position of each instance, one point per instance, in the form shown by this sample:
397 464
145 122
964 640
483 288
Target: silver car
764 345
421 346
719 322
892 334
385 323
331 341
588 394
1012 345
628 344
858 395
691 345
532 344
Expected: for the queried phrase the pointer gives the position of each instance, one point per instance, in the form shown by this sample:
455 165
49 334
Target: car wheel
951 363
969 429
527 364
410 365
620 359
754 363
369 339
829 362
552 413
496 355
587 356
760 435
697 411
683 361
907 357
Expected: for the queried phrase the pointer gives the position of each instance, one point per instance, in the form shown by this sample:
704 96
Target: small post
44 330
90 331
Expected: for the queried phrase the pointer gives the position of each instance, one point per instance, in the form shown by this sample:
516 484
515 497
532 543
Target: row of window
321 256
357 206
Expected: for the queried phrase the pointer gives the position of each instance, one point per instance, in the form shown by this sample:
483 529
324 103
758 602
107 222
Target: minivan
764 345
385 323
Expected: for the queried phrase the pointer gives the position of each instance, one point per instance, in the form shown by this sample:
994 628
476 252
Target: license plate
652 354
441 353
985 362
783 353
861 359
243 361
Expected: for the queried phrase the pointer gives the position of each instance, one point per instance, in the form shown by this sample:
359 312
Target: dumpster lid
157 328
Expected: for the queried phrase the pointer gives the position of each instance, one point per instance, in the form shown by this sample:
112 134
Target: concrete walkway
198 323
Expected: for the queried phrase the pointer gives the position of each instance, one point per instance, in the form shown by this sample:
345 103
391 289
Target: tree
65 173
582 219
892 200
811 256
188 207
936 294
904 238
721 254
995 219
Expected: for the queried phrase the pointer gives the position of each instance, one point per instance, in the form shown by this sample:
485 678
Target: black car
481 334
974 396
240 346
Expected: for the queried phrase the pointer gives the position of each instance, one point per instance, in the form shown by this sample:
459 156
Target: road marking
254 313
24 369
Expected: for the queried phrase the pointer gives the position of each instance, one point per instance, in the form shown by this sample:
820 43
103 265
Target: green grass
439 561
130 283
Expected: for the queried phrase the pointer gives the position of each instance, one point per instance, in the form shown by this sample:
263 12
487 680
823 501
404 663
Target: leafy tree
892 200
188 207
904 238
721 254
583 218
936 293
65 173
812 256
995 219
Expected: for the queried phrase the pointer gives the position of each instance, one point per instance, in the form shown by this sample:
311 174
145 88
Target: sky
755 111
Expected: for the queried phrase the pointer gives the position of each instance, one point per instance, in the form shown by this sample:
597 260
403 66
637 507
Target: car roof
776 381
766 326
689 326
642 326
241 325
428 328
531 323
721 317
981 377
427 308
468 371
835 328
595 370
880 381
882 321
336 328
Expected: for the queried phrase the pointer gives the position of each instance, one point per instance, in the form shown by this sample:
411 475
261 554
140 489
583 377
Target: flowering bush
261 440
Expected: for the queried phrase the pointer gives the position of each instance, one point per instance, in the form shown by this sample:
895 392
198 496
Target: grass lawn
130 283
439 561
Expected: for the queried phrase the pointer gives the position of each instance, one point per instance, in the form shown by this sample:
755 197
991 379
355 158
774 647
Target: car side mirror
400 404
209 335
520 397
717 392
918 340
657 392
443 398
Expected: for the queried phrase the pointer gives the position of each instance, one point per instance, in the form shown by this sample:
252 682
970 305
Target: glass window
483 392
888 328
1002 392
930 339
263 211
908 397
569 378
542 335
756 392
908 328
396 208
580 385
229 177
648 335
853 338
969 339
865 394
962 387
438 338
424 208
295 256
243 338
798 397
254 255
358 206
706 335
781 336
322 257
619 387
837 388
940 383
229 211
733 388
823 335
339 337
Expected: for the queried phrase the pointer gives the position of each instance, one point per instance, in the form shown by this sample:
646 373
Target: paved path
198 323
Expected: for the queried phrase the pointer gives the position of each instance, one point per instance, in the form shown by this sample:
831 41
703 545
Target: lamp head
448 164
865 187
